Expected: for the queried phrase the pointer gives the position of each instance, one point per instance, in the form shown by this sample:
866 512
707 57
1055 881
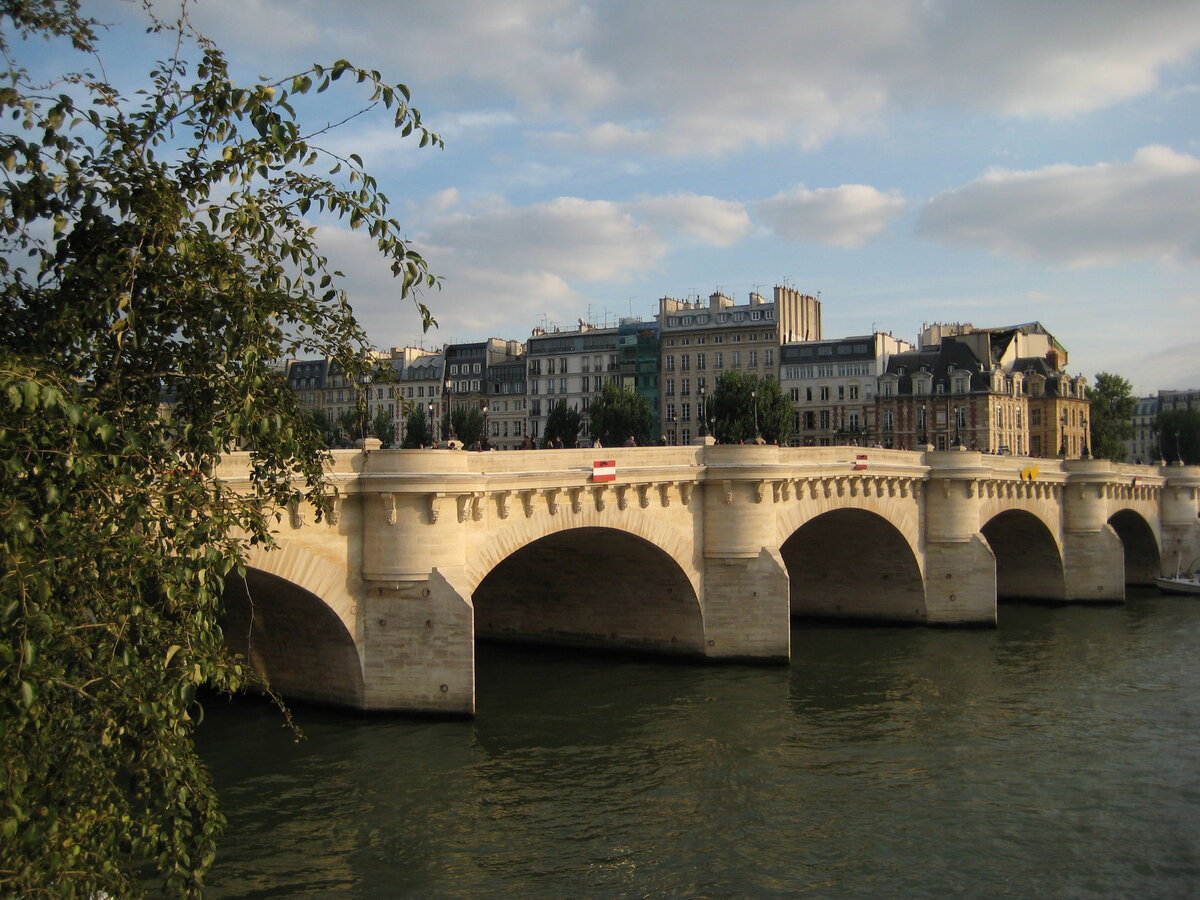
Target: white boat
1179 583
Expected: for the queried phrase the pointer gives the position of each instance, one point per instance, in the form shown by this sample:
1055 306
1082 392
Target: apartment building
831 386
700 340
571 367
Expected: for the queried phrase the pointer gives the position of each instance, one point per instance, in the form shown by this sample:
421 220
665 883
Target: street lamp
957 427
483 407
432 436
1062 447
674 430
757 434
450 408
1087 450
703 413
924 424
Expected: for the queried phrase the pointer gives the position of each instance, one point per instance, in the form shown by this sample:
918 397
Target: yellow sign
1029 474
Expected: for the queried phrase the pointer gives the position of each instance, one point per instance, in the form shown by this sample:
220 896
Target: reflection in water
1056 755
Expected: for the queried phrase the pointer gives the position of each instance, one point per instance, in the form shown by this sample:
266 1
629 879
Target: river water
1055 756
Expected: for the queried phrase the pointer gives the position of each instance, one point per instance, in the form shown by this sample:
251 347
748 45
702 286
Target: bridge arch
1142 552
853 563
293 619
506 542
591 586
1029 560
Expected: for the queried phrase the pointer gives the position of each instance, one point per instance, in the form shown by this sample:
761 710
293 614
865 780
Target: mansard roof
949 356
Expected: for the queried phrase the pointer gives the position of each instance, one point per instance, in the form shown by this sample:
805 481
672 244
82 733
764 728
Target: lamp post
958 427
483 408
703 413
1087 449
924 424
432 436
1062 447
674 430
450 408
757 434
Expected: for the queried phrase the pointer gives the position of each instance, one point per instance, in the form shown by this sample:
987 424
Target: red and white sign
604 470
860 461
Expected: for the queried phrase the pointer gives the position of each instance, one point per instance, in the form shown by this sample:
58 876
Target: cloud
706 78
1078 215
719 223
844 216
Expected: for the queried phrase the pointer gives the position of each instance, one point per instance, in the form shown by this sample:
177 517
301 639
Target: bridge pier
746 610
418 646
1094 566
960 582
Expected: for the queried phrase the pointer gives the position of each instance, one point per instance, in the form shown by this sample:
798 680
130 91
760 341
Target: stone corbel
477 500
527 502
503 503
946 487
599 497
760 490
827 487
552 500
575 493
295 516
800 485
685 492
727 490
841 486
389 507
434 506
854 485
916 489
971 485
664 493
622 496
335 509
463 501
643 495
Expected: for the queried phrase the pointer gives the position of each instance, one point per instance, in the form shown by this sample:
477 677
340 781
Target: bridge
701 551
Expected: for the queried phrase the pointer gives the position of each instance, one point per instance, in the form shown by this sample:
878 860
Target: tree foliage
383 427
739 400
468 425
619 413
156 257
1179 435
1110 417
417 431
562 424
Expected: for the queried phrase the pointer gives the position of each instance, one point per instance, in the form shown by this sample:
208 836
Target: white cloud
720 223
705 77
1075 215
844 216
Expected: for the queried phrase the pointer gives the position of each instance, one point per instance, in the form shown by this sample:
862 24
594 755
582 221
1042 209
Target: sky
909 161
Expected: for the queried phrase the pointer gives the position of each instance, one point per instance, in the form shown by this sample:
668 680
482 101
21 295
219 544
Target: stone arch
853 563
1029 561
293 638
1142 552
902 515
591 586
505 543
